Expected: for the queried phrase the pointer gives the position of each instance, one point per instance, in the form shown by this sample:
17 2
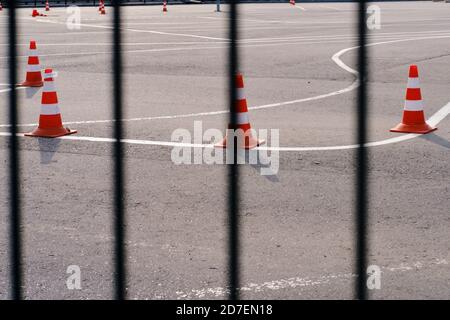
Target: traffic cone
47 6
1 6
103 10
50 122
292 2
164 6
100 5
35 13
243 123
34 76
413 116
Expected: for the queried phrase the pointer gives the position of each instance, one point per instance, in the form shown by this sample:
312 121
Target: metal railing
361 182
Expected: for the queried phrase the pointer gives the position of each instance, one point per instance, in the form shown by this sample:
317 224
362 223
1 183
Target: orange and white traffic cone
292 2
100 5
164 6
34 75
103 10
413 116
1 6
242 119
47 6
50 122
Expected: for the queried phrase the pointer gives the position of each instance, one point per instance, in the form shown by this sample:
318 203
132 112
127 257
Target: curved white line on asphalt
434 120
335 58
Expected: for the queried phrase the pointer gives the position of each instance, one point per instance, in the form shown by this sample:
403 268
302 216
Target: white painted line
138 30
111 44
196 48
244 20
332 8
319 39
301 282
300 7
434 120
8 89
344 36
66 33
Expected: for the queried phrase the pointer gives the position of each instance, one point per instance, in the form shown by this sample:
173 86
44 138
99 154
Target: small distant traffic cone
1 7
292 2
164 6
50 122
413 116
47 6
103 10
36 13
34 76
100 5
243 122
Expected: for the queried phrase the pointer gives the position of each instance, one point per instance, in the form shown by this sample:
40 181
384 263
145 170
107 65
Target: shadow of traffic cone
164 6
50 122
413 116
242 120
34 76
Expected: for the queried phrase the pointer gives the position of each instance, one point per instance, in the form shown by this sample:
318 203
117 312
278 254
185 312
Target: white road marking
8 89
301 282
244 19
138 30
332 8
434 120
196 48
253 40
66 33
300 7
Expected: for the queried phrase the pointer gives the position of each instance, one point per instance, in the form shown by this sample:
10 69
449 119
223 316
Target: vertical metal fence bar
233 173
362 160
119 189
14 174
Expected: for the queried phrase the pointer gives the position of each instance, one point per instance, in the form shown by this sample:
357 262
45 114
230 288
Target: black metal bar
14 174
119 179
362 160
233 173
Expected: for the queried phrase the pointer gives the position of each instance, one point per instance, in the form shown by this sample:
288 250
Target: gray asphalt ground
297 225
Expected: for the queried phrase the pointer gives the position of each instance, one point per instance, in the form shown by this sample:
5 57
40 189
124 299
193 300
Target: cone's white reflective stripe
413 83
413 105
33 53
49 86
50 75
242 118
240 94
33 68
49 109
